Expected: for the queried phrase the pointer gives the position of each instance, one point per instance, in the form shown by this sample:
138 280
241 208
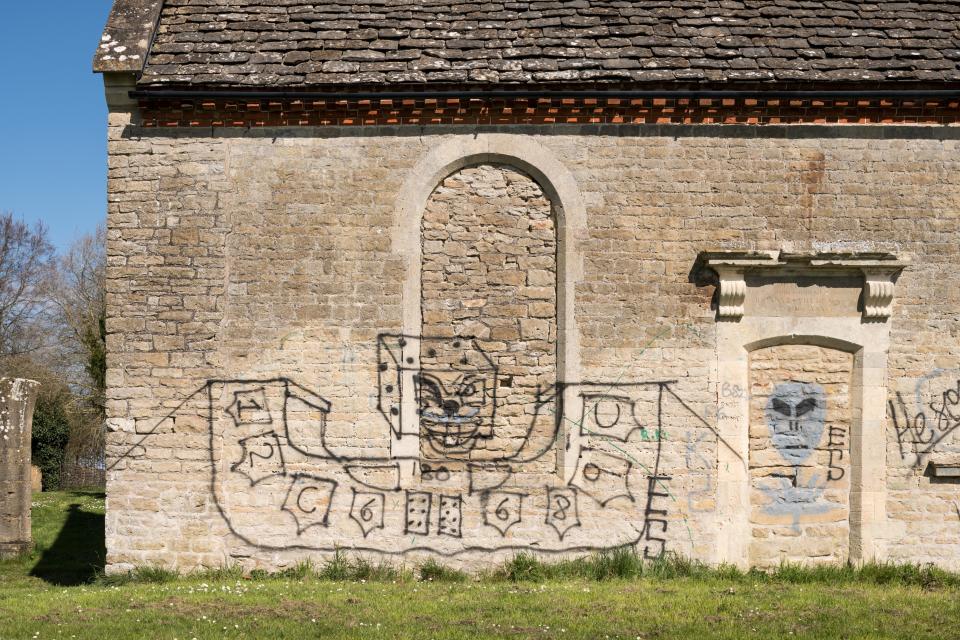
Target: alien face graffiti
451 407
796 413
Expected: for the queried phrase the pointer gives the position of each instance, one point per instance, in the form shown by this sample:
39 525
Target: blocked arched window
488 302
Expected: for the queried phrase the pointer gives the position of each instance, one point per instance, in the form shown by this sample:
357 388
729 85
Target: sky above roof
53 140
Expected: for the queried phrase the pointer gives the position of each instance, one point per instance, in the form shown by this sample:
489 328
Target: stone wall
17 399
273 298
489 276
800 415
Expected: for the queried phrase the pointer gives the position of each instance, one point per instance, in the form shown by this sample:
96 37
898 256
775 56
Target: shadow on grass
78 553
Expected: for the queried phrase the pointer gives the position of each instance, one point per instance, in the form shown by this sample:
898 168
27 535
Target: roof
299 43
127 35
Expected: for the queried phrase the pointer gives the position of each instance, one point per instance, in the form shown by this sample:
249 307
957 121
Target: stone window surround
450 155
866 338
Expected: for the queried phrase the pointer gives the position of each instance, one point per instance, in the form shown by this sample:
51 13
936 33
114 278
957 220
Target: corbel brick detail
222 112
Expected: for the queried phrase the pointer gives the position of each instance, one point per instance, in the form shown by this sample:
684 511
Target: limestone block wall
489 276
17 400
279 297
800 415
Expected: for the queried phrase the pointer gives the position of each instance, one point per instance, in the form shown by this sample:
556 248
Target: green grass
58 591
68 541
433 571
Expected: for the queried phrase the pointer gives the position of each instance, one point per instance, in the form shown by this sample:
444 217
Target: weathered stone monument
17 399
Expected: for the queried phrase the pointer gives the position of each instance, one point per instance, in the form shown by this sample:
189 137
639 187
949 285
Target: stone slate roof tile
284 43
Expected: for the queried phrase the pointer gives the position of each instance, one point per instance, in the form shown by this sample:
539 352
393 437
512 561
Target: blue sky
53 157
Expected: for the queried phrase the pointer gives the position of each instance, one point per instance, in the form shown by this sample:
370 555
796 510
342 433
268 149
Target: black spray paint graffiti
934 416
836 445
502 509
456 406
279 457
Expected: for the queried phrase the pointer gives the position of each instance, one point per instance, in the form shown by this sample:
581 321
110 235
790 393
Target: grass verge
610 595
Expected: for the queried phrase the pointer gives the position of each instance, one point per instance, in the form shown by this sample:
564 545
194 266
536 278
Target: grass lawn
56 593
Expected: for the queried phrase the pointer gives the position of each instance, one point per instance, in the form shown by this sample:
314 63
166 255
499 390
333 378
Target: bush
51 432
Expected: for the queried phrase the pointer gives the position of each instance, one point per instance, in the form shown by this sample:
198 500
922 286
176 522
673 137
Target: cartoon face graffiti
796 413
451 407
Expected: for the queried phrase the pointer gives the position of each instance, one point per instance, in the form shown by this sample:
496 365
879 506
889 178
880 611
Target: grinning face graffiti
451 410
796 412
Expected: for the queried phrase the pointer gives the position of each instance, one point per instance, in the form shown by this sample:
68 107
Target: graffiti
418 512
483 478
934 417
383 477
836 445
261 457
698 464
456 405
432 473
366 509
450 516
308 501
562 512
655 516
910 428
943 409
796 416
588 464
502 510
728 390
796 499
602 476
249 407
610 416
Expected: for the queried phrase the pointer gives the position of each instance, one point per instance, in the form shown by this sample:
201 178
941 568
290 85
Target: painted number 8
562 504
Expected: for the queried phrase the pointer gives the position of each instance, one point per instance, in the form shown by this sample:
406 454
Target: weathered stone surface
800 418
733 33
260 283
488 233
128 34
17 399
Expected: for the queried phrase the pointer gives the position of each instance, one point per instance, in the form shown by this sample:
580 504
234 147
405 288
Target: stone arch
457 152
828 342
866 344
527 157
489 313
800 416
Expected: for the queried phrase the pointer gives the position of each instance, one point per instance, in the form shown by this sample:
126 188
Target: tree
52 424
26 266
79 297
53 330
79 301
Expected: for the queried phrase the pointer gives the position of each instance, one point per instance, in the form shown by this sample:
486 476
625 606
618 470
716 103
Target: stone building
459 280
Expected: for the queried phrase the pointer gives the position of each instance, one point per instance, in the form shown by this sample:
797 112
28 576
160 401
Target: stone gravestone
17 400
